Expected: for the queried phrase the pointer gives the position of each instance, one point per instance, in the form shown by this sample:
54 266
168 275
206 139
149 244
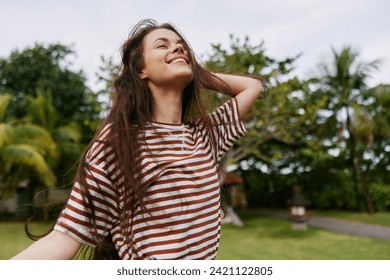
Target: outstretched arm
54 246
245 89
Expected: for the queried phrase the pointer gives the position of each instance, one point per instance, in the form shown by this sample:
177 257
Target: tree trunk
352 164
355 185
357 169
363 181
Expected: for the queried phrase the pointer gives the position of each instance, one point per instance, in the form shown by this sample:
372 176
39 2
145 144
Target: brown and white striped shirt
179 172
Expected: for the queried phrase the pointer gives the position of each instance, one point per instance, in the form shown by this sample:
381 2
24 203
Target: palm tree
40 144
66 135
24 152
344 83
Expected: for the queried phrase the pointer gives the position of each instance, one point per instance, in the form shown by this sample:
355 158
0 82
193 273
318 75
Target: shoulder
227 113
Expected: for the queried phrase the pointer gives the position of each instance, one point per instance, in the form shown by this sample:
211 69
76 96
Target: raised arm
54 246
245 89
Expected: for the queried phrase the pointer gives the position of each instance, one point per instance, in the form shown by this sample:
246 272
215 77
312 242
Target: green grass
381 218
262 238
273 239
13 239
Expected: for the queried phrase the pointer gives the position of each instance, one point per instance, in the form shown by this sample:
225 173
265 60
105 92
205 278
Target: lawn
13 238
262 238
380 218
272 239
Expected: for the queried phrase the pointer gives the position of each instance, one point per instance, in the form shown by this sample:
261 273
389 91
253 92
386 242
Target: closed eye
162 46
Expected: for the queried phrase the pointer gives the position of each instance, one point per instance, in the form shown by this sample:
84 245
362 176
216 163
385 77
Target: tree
373 133
48 68
66 136
344 82
281 146
24 147
278 123
37 150
106 74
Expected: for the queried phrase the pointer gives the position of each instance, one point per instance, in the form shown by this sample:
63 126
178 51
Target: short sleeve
75 219
228 127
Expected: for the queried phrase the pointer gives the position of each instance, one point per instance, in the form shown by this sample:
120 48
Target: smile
178 60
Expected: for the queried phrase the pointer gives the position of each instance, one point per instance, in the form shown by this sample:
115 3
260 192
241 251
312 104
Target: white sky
288 27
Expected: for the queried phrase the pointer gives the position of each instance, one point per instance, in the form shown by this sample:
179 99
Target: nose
179 48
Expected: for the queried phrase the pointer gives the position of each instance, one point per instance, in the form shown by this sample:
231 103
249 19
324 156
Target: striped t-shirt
179 172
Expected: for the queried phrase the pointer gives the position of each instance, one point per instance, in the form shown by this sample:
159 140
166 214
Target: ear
143 75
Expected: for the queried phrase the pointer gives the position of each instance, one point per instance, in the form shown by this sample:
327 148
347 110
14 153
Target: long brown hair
130 111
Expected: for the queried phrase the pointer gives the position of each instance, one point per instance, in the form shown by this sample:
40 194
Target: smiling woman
167 71
147 185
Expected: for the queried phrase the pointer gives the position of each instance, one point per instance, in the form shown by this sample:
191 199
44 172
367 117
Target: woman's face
166 60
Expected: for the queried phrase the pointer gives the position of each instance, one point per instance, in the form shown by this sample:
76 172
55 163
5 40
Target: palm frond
35 136
67 134
5 134
25 155
42 111
4 100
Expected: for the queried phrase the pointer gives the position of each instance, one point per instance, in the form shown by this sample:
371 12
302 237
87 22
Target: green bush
266 190
380 194
335 196
329 189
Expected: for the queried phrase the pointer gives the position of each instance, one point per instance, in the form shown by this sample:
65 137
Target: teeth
178 60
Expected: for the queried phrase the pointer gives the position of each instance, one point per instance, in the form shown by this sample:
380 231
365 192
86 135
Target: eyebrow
166 40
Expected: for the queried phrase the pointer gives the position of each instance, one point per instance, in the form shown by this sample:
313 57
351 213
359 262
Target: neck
167 105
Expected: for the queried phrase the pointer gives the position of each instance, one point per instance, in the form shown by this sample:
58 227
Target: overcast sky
288 27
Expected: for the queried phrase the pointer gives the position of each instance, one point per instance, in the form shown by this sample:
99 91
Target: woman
148 183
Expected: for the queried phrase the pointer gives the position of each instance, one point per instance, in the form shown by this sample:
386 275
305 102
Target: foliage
23 147
381 196
48 68
275 123
266 190
349 129
51 115
282 140
317 134
376 158
67 136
